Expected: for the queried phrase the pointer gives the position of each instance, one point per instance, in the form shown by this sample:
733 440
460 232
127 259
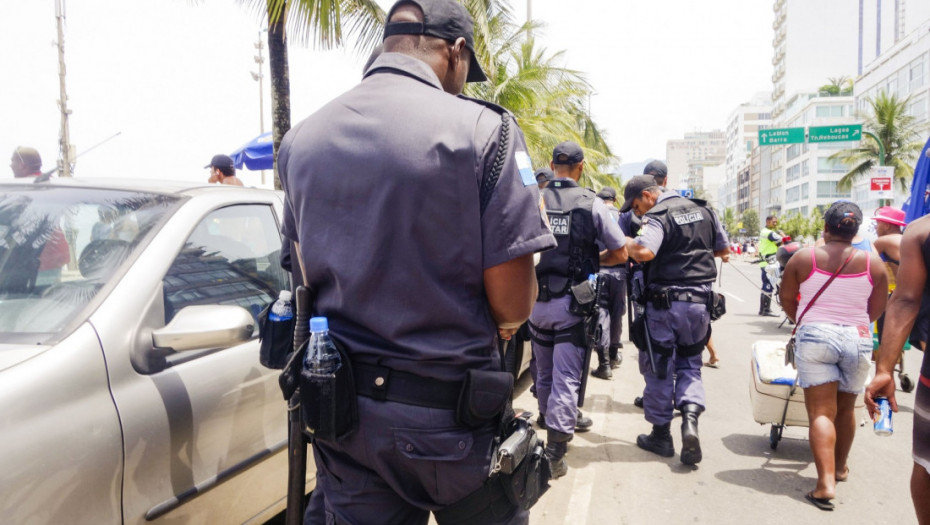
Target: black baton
296 445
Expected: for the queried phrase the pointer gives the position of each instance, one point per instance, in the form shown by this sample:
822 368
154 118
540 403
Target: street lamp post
66 154
260 59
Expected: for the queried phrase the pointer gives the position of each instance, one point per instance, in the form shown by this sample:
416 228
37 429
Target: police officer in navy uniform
578 220
678 240
610 355
630 225
417 276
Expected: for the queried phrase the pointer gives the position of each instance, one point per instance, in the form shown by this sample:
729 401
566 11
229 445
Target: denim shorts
829 352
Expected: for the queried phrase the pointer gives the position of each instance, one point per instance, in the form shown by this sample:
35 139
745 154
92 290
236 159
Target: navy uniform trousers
403 462
558 365
616 303
683 324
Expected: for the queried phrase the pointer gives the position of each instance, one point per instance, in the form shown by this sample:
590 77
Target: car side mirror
207 326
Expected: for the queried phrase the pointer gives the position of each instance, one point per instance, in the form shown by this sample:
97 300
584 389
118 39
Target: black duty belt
386 384
688 297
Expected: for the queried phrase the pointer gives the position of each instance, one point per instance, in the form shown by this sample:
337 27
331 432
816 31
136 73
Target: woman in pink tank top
834 341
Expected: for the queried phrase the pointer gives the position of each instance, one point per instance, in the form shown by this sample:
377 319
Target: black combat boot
638 401
616 356
658 442
603 365
541 420
556 447
583 423
762 303
690 442
767 307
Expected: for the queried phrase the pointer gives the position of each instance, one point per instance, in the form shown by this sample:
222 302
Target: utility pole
529 15
260 59
65 155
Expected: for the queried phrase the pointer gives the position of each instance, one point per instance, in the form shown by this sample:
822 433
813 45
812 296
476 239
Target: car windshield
59 246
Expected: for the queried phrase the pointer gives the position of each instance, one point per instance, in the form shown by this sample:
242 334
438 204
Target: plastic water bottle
322 360
882 425
281 309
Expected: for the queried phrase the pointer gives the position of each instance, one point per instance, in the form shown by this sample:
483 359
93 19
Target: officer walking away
769 241
630 225
579 221
223 171
611 354
678 240
543 176
425 305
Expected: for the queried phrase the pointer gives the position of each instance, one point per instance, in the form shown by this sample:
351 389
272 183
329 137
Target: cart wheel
775 436
906 383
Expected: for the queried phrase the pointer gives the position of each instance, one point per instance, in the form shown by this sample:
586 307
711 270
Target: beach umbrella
916 205
256 154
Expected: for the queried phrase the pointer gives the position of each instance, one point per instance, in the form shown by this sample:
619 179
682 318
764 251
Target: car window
59 246
232 257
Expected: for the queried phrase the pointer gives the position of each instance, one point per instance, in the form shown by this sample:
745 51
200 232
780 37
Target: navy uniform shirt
382 189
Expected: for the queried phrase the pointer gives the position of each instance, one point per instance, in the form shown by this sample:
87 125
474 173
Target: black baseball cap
837 214
657 169
444 19
635 188
568 152
607 193
221 161
544 175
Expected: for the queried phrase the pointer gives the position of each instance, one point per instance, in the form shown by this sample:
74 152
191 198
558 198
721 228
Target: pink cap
890 215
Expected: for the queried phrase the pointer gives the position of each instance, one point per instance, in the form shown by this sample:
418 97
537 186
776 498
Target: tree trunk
280 85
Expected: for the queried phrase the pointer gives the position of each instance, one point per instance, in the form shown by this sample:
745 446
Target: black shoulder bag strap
490 180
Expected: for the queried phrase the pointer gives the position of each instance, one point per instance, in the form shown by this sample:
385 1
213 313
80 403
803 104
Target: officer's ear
456 54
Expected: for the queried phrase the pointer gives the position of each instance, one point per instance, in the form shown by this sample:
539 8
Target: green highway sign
834 133
771 137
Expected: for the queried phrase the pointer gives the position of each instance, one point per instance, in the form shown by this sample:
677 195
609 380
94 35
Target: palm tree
899 133
549 101
319 21
729 221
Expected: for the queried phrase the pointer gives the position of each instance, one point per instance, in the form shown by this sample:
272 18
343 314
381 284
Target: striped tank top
845 302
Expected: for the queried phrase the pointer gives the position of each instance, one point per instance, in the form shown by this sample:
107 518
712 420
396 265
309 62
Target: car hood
12 355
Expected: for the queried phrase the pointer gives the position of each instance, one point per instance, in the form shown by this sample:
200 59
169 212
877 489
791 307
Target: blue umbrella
257 154
916 205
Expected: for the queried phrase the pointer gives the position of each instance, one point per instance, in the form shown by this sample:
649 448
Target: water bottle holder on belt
329 406
277 340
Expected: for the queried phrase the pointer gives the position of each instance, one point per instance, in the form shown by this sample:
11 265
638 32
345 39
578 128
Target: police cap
635 188
445 19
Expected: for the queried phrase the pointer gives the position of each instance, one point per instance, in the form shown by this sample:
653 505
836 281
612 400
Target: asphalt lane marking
733 296
583 484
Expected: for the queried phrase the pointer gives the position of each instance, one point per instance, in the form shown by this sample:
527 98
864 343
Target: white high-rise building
686 158
743 127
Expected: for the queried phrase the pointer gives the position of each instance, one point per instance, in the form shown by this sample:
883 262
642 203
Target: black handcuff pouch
483 397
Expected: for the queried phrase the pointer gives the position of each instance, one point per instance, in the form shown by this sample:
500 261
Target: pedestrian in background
834 341
902 311
441 275
223 171
769 241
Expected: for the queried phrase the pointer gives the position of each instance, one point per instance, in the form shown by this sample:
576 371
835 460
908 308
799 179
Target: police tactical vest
569 209
686 256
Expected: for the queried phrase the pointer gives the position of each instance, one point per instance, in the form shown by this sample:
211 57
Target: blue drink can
883 426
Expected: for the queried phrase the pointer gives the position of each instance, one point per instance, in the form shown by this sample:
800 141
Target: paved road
741 480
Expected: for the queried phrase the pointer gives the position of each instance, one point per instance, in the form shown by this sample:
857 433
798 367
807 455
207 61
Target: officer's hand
506 333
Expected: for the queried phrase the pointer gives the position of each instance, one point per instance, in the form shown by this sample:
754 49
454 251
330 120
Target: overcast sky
173 79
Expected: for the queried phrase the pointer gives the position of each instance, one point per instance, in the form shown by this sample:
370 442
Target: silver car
130 384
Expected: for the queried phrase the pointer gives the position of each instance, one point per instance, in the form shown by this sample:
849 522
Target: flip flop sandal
820 503
715 364
844 477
